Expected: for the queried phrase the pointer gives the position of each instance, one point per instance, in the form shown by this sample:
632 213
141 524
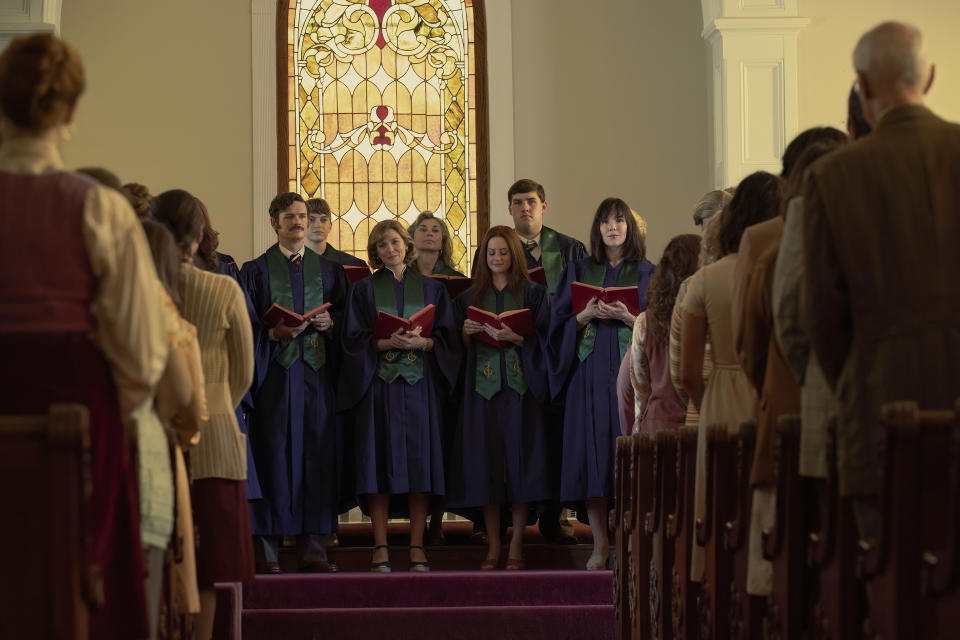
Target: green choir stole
442 268
278 270
550 257
487 376
593 275
398 363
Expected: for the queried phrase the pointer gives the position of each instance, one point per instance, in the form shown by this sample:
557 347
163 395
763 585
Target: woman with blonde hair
396 387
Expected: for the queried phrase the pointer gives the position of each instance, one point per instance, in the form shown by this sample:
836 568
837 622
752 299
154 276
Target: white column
263 53
23 17
753 45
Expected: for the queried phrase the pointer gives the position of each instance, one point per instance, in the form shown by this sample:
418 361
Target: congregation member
319 225
209 258
396 388
181 404
100 320
214 304
880 224
626 397
706 215
585 350
296 440
818 403
139 197
660 405
434 245
727 397
758 238
498 457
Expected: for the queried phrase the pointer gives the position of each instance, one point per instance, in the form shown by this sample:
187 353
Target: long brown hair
517 276
206 256
679 260
180 212
634 246
166 256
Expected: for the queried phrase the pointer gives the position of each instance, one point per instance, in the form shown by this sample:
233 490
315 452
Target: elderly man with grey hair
881 239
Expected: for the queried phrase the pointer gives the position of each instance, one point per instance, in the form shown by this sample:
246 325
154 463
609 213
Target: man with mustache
294 435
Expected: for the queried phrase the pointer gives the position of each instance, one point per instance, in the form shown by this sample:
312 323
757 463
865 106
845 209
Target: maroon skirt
221 516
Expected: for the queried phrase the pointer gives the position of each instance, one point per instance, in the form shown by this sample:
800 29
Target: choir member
585 351
396 387
499 452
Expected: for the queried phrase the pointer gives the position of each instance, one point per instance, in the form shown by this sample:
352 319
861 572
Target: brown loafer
268 567
319 567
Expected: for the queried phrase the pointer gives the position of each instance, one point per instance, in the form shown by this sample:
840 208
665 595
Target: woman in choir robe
584 353
499 451
396 388
727 397
660 405
434 246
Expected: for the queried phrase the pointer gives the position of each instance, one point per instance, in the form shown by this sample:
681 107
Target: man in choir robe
320 222
880 222
295 438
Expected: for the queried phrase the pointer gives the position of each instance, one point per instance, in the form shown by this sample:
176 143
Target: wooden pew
714 602
622 486
745 611
638 543
785 543
45 487
680 530
664 482
831 556
910 565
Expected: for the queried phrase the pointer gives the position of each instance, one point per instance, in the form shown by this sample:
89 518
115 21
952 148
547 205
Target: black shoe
380 567
419 566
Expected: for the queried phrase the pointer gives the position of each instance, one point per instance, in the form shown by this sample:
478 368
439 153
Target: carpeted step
449 589
595 622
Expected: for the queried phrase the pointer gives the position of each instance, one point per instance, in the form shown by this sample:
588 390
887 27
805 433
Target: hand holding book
496 330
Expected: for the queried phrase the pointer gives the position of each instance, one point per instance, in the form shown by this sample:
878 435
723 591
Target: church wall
611 99
826 53
168 101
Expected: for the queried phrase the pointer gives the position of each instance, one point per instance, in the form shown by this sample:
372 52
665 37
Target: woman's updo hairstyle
41 77
180 212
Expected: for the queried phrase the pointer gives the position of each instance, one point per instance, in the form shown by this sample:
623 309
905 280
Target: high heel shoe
380 567
515 564
419 566
489 564
596 562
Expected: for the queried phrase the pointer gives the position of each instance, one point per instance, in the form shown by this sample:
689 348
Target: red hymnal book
520 320
277 314
582 293
537 275
355 273
387 323
455 284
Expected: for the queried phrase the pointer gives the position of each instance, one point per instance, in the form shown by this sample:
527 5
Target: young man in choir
295 437
319 224
396 388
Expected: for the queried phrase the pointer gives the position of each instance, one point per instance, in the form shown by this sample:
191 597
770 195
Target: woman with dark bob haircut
584 352
396 388
82 323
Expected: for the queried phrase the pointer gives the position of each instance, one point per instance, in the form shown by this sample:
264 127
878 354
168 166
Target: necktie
531 245
295 260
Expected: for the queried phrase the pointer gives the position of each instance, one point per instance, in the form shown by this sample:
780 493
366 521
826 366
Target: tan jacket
754 242
882 245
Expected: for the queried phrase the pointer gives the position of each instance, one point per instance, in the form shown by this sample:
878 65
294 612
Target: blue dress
296 442
498 453
397 425
589 388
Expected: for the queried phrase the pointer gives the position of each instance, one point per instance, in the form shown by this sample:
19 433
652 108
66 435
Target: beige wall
610 99
168 100
826 50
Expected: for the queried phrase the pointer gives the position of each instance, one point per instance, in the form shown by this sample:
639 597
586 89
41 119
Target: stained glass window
386 114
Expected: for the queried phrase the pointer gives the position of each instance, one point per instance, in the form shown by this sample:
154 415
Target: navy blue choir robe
498 454
296 442
342 257
397 426
589 388
227 266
